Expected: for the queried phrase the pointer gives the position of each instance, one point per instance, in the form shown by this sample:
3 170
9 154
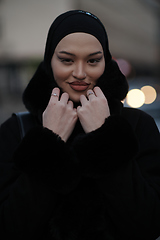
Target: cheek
97 73
60 74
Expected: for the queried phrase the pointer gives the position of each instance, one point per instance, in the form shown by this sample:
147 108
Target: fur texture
41 162
112 135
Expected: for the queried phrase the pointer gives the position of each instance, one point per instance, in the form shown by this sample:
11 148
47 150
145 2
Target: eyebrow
71 54
64 52
95 53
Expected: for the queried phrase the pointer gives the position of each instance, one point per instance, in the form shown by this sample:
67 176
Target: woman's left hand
94 110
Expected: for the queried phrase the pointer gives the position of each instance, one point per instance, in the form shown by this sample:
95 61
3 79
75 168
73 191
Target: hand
94 110
60 116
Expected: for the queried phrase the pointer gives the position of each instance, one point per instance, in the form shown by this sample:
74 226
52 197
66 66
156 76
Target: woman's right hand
60 116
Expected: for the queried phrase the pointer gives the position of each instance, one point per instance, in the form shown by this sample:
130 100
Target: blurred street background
133 28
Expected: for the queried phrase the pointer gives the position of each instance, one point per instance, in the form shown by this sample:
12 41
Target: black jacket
102 185
98 186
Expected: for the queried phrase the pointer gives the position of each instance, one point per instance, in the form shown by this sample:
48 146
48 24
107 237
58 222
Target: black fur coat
104 185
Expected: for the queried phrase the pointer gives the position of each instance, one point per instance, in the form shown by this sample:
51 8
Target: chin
76 97
75 100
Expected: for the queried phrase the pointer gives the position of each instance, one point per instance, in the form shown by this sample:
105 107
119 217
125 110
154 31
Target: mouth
79 86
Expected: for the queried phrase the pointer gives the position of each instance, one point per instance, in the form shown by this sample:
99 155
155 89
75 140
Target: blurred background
133 28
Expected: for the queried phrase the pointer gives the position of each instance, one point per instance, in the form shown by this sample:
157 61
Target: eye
67 61
94 61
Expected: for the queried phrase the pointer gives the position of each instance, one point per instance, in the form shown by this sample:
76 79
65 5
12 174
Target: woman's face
77 63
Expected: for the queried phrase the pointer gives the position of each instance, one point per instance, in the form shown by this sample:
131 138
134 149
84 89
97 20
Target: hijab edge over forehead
72 22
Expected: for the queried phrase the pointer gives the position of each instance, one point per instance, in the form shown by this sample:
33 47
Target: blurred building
134 35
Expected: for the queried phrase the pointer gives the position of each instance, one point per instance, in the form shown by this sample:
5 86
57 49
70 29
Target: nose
79 71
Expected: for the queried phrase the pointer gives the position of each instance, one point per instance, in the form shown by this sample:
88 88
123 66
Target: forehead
79 40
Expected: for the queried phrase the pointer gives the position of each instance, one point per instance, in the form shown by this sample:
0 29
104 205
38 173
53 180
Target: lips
79 86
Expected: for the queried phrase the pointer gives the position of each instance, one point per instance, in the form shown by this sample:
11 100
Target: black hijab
113 83
71 22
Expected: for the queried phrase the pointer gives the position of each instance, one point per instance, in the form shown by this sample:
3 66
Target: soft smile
79 86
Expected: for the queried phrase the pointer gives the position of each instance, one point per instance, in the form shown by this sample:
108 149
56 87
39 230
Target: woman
90 168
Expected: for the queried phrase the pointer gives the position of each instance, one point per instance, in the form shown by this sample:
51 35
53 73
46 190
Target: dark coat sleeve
125 163
30 180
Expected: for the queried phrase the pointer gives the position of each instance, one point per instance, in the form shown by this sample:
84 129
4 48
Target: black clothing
100 185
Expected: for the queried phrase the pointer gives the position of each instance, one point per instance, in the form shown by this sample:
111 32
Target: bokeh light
150 94
135 98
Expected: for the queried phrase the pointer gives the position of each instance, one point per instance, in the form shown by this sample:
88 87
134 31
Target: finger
98 92
70 104
90 94
55 94
83 100
64 98
78 108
